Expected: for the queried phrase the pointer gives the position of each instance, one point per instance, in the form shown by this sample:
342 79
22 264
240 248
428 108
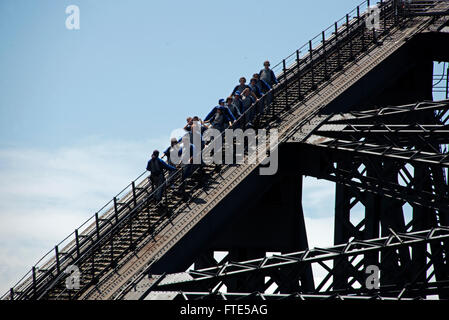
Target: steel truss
412 133
408 283
257 296
396 152
392 162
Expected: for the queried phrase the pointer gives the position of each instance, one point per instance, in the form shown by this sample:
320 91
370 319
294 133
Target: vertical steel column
392 217
291 196
431 179
421 221
342 211
372 210
342 231
441 218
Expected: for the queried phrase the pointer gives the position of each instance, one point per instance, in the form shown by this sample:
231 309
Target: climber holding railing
157 167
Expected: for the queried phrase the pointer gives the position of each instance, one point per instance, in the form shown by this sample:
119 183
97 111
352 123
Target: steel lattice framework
402 136
399 280
411 133
256 296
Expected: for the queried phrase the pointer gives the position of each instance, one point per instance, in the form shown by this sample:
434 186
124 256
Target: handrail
329 31
110 212
87 225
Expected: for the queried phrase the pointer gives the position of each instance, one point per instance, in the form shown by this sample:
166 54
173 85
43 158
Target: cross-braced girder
257 296
388 151
393 162
416 133
408 283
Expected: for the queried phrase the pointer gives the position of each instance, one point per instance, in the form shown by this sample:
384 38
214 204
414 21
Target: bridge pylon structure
353 106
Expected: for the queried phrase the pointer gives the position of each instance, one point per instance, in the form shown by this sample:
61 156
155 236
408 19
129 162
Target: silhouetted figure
157 167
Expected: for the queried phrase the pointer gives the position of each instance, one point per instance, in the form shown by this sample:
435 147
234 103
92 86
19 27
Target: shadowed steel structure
354 106
405 279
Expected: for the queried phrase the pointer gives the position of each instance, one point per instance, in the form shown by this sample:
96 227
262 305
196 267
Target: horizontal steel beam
213 278
366 148
384 113
272 297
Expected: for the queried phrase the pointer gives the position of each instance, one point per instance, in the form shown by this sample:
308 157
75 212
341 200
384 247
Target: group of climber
230 112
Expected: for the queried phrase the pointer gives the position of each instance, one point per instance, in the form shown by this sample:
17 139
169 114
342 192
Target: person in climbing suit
188 125
187 153
174 147
232 108
261 84
157 167
264 87
220 117
242 86
267 75
247 101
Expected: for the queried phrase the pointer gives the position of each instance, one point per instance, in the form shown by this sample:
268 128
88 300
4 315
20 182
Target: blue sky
136 69
81 110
